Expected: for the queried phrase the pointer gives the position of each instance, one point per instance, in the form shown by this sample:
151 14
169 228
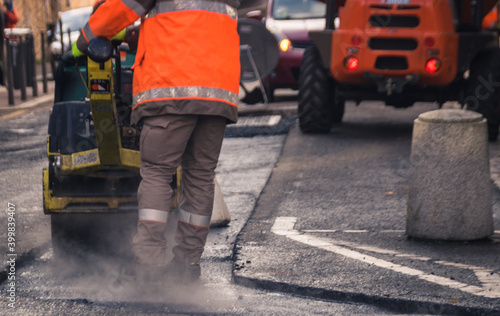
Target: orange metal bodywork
435 21
490 21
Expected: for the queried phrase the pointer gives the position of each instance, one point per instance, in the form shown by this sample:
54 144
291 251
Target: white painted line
47 256
382 251
410 256
266 120
458 265
274 120
20 130
350 231
284 226
377 250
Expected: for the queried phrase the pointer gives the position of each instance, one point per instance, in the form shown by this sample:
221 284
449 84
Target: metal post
118 66
30 41
44 69
2 55
61 33
22 68
330 14
27 60
69 39
10 72
477 14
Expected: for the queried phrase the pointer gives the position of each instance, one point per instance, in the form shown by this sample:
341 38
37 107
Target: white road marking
266 120
20 130
320 231
350 231
284 226
48 255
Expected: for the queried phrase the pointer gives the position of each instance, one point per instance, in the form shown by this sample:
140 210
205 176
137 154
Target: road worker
10 14
185 91
97 4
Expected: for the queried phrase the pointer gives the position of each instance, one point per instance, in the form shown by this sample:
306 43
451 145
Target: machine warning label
89 158
100 86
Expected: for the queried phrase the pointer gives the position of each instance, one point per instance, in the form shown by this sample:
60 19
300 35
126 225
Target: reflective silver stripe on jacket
193 219
88 33
149 214
183 5
186 92
139 7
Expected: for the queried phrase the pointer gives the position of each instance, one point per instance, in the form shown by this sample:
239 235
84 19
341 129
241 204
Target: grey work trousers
194 142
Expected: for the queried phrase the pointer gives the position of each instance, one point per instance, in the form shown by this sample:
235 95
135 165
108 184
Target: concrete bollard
450 188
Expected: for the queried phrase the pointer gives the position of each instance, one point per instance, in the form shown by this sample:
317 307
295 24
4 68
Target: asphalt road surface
37 284
269 173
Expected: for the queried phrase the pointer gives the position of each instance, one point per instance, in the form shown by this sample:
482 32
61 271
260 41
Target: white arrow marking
284 226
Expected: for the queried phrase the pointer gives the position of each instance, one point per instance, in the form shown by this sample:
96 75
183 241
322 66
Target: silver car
68 26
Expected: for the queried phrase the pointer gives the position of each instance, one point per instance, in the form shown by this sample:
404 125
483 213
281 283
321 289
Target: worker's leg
163 141
198 172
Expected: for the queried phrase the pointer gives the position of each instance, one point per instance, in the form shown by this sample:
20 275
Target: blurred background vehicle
290 21
66 32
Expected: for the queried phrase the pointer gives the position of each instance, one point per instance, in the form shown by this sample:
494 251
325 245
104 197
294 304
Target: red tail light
433 65
351 63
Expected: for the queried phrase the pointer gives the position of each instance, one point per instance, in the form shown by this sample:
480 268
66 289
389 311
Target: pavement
44 94
382 268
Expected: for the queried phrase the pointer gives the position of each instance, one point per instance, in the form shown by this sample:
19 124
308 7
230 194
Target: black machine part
100 49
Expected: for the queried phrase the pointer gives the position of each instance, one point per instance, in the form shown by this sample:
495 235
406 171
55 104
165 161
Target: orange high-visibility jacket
11 17
187 59
490 21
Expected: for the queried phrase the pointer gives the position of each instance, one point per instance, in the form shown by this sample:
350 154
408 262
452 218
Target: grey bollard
450 188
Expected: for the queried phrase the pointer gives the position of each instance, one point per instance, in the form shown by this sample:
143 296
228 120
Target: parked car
72 20
290 21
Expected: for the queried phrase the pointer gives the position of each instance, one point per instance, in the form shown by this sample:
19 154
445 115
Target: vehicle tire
316 108
482 93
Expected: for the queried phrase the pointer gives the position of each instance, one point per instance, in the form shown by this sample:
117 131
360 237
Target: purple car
290 21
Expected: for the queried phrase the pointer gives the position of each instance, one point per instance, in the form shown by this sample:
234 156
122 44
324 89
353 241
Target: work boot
150 274
144 274
183 273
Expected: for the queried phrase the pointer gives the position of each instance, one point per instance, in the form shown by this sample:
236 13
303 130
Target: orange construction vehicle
401 52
